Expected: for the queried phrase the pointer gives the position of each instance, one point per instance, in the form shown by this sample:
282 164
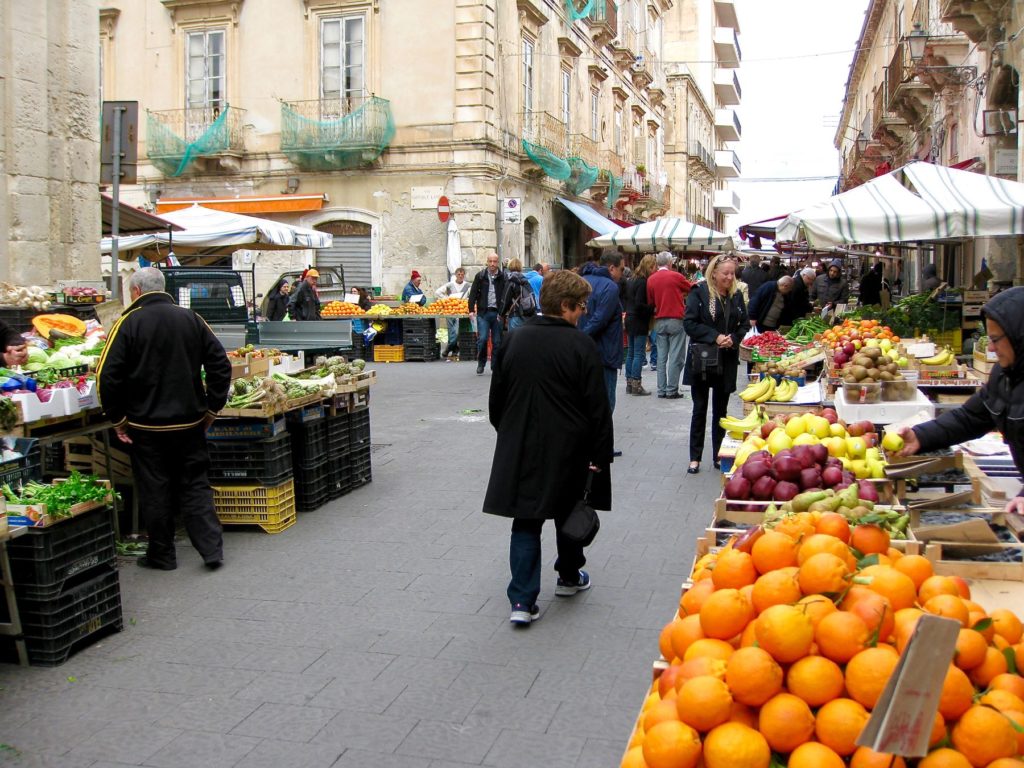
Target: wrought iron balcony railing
545 130
336 133
177 137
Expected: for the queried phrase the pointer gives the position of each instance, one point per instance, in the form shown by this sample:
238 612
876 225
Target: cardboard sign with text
108 312
902 720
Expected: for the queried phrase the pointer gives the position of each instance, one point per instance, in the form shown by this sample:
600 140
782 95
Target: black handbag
705 357
582 524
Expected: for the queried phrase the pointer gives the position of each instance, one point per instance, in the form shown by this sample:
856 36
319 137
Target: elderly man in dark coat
831 288
550 409
768 305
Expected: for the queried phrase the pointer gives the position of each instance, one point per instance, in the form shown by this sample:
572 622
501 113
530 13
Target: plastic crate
359 430
337 435
309 443
55 540
384 353
338 480
360 470
312 486
268 507
43 578
413 325
245 429
952 339
15 472
267 461
54 629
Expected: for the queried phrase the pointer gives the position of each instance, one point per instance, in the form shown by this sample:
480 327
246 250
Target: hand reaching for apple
911 444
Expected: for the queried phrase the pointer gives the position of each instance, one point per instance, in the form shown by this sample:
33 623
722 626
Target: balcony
199 138
727 164
700 160
610 161
626 47
336 134
886 126
725 12
604 21
727 87
582 146
642 71
727 125
727 47
726 201
974 18
908 98
545 130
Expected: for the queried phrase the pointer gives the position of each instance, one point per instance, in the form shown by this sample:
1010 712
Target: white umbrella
668 234
454 247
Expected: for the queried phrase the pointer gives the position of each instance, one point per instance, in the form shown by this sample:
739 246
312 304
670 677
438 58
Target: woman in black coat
871 286
717 317
549 406
277 300
638 324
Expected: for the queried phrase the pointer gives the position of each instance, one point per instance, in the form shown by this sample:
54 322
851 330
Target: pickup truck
330 286
223 297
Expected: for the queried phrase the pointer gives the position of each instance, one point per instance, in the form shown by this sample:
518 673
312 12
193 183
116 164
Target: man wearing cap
412 294
830 288
305 303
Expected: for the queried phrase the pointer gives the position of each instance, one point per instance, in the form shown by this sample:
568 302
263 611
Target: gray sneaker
568 589
522 616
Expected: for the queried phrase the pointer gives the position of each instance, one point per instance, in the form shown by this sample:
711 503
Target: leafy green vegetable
59 497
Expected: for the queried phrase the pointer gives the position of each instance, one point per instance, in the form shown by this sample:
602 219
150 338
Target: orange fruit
772 551
1007 625
797 526
734 569
949 606
839 723
874 609
896 587
748 637
816 607
1017 717
938 730
936 585
868 758
867 674
917 567
634 758
1006 762
734 745
1004 701
962 587
709 646
1008 682
970 649
704 702
692 599
785 632
813 754
786 722
815 679
665 641
753 676
905 620
702 665
983 735
778 587
741 713
833 524
869 539
957 693
823 573
725 613
818 543
684 633
841 636
994 664
980 622
944 758
671 745
660 712
666 681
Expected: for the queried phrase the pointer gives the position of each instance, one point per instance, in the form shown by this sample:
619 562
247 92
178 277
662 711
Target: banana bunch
759 391
785 391
945 357
738 428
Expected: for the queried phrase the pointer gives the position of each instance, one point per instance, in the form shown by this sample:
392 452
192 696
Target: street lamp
917 40
917 43
862 142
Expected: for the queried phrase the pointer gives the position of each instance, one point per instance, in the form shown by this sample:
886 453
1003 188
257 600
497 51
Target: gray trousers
671 353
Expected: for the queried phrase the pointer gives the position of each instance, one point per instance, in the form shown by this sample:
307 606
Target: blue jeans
611 378
487 324
635 355
453 335
524 560
653 338
671 351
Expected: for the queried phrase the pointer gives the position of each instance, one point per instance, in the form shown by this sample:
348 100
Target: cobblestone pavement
375 631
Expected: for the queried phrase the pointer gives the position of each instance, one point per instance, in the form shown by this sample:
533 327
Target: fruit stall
405 332
819 560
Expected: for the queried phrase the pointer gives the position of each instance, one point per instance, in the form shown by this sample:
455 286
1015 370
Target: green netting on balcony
614 189
577 9
351 140
172 154
553 165
582 177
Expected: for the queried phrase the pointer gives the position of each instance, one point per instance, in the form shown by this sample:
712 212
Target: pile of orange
782 647
450 306
854 330
340 309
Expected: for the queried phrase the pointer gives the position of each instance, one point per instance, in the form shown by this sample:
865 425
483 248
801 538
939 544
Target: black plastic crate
61 538
338 472
337 435
309 443
360 470
413 325
53 459
359 430
312 486
267 461
47 579
16 472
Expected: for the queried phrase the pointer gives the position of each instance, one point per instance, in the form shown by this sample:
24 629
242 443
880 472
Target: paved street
375 631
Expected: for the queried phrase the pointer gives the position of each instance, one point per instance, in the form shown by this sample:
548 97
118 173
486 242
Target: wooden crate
940 555
120 462
78 454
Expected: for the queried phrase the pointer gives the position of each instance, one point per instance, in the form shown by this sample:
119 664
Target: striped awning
669 234
919 201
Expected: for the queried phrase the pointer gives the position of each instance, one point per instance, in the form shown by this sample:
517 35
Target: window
342 62
595 102
527 75
617 137
566 98
529 227
205 70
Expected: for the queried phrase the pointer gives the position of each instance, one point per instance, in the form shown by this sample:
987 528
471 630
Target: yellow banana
945 357
768 392
755 390
782 393
747 423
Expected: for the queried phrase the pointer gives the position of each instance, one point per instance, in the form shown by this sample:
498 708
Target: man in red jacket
667 291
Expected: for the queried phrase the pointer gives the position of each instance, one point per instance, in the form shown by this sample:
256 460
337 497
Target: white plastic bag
750 334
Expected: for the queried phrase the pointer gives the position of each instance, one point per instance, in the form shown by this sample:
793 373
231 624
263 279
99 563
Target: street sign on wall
127 113
510 210
443 209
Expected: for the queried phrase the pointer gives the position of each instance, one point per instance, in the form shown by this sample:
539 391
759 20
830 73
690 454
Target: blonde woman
715 321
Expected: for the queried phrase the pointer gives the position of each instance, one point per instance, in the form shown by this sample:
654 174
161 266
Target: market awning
246 205
131 220
670 234
764 228
590 217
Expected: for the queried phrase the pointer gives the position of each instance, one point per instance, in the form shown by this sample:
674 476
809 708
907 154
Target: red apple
763 488
810 478
738 487
831 476
785 491
849 349
830 414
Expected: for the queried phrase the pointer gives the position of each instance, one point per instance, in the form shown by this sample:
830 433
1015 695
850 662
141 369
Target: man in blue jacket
603 321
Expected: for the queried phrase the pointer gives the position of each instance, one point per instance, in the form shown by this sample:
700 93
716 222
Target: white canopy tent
208 230
919 201
669 234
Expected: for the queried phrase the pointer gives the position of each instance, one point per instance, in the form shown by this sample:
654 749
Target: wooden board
359 381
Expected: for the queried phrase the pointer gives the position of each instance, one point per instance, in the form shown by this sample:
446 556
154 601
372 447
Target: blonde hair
646 266
515 266
713 265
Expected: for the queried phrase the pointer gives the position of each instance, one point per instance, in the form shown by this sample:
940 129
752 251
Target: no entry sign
444 211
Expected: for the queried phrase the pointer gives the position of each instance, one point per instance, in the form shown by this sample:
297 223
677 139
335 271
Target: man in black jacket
305 303
753 275
999 405
150 384
484 299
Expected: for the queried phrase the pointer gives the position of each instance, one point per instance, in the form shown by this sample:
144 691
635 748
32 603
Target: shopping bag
582 524
750 334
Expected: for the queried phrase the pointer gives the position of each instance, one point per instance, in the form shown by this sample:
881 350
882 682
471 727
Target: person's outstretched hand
1016 506
911 444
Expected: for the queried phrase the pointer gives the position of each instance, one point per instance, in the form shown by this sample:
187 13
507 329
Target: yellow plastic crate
384 353
954 339
272 508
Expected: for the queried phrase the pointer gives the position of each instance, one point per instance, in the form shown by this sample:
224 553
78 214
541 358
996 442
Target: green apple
892 442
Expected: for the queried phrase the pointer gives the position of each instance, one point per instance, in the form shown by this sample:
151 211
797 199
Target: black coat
754 277
549 406
277 305
304 304
702 329
871 288
798 302
999 404
638 311
478 291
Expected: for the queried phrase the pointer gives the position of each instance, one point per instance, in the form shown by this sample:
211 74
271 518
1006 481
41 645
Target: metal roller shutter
352 252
